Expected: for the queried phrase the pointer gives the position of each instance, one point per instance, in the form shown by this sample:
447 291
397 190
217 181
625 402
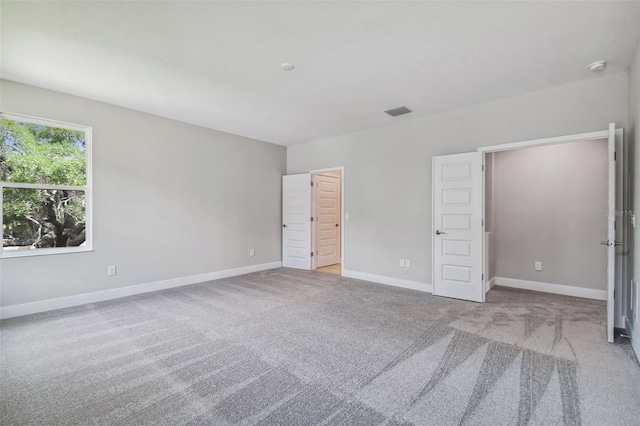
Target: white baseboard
635 336
396 282
566 290
635 343
488 285
115 293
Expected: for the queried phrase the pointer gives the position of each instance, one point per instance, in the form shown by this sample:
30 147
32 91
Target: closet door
611 235
457 226
296 221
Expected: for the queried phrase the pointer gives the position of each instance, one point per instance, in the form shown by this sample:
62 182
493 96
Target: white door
457 226
296 221
327 219
611 234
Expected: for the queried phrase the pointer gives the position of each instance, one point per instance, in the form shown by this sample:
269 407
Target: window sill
6 254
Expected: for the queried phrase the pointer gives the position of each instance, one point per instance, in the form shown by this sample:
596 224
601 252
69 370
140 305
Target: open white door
457 226
296 221
611 234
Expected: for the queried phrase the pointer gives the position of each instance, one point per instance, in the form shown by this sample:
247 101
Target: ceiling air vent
394 112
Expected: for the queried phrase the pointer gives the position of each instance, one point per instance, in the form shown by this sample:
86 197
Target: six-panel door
296 221
457 221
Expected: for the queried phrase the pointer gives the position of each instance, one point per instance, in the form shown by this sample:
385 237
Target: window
45 182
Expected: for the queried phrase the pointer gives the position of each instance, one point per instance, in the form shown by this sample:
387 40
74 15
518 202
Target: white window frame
87 188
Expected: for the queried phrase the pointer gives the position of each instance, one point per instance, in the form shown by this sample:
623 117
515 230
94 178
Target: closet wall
549 204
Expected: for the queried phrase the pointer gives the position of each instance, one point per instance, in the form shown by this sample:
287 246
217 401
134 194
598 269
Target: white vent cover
394 112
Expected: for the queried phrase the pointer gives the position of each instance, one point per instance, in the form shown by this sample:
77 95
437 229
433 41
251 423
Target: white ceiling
217 64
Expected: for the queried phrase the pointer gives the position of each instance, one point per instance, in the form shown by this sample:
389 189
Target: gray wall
549 205
633 136
387 174
170 200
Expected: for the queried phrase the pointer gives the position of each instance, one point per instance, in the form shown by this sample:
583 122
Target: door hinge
482 277
615 156
311 254
311 218
483 167
311 183
482 222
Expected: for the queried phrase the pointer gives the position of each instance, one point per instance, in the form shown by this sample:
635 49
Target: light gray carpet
287 347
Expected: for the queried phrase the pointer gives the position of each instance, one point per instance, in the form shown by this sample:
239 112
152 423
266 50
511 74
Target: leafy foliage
37 154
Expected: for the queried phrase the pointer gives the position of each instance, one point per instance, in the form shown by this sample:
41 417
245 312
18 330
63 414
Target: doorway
545 218
460 250
326 221
313 220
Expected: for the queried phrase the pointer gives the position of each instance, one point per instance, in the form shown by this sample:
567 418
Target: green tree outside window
52 215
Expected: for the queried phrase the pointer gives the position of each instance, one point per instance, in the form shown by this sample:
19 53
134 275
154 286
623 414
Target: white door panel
457 226
296 221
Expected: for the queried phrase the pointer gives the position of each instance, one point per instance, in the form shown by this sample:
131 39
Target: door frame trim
342 219
603 134
580 137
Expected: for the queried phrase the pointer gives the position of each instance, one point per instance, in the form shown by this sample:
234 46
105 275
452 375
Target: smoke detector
400 110
597 65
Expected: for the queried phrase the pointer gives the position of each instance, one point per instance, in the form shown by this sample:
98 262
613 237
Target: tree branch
39 226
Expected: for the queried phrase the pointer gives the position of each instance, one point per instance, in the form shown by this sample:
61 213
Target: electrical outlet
538 266
407 263
402 263
111 270
252 252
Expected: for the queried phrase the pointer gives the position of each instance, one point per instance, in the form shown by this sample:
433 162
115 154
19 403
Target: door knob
284 226
439 232
337 224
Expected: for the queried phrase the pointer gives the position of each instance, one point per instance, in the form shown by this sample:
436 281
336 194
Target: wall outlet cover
538 266
402 263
